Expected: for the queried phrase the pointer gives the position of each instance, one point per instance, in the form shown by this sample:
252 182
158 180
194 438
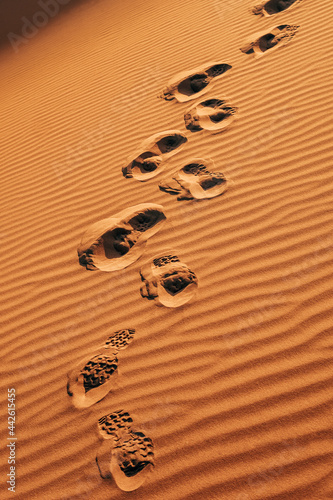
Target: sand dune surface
234 386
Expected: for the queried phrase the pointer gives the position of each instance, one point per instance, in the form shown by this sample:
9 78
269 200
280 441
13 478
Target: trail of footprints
117 242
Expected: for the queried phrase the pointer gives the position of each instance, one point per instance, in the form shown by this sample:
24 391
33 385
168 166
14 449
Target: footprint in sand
125 454
91 380
214 115
168 281
192 84
115 243
112 425
272 7
149 160
197 180
271 40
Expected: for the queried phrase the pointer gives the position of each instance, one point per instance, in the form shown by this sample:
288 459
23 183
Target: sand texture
232 389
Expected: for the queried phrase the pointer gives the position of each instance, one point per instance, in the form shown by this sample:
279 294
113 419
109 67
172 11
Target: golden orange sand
235 387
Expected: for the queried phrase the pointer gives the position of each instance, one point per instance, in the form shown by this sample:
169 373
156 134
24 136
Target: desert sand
234 387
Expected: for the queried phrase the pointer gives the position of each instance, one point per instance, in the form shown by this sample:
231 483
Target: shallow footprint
197 180
149 160
272 7
119 340
168 281
125 454
115 243
92 379
213 114
113 425
271 40
191 84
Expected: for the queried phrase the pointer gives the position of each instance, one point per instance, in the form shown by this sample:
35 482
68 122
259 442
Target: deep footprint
275 38
152 154
272 7
214 115
115 243
125 454
168 281
192 84
196 180
132 460
92 379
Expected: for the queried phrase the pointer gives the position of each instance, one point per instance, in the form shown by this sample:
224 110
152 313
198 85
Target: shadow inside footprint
267 42
146 163
153 153
194 84
169 143
125 454
186 86
91 380
90 383
278 36
132 460
98 370
112 425
115 243
168 281
196 180
273 7
213 115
